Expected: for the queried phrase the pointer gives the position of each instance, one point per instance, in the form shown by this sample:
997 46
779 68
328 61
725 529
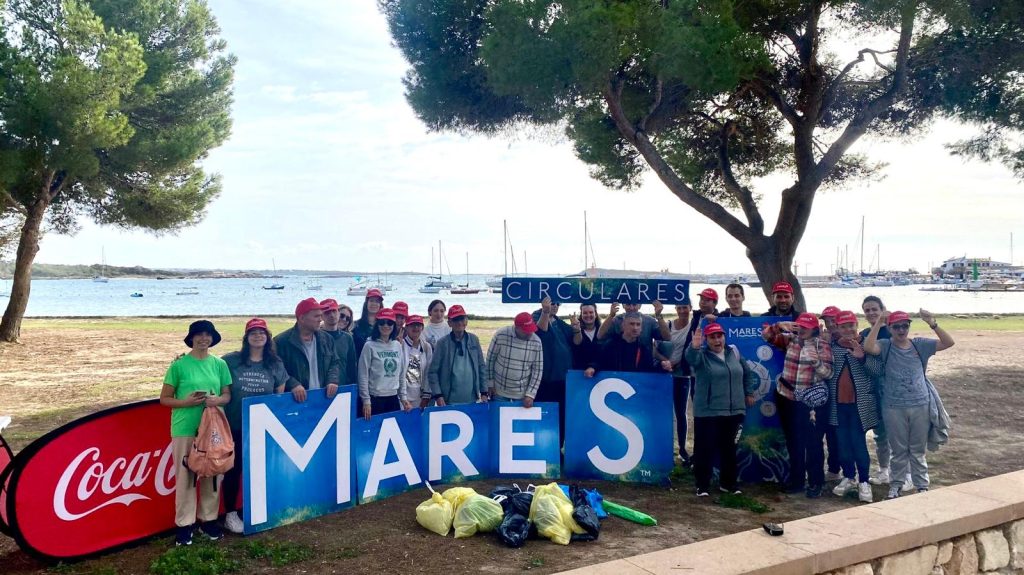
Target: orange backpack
213 450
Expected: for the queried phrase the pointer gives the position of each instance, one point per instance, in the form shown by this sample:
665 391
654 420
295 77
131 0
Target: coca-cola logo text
100 485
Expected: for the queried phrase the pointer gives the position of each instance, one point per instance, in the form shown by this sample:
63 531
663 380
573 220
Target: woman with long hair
382 386
584 342
437 326
255 370
345 315
363 328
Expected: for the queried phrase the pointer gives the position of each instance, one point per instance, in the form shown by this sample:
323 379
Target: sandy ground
61 373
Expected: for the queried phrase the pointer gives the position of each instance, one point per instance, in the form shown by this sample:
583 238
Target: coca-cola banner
5 462
97 483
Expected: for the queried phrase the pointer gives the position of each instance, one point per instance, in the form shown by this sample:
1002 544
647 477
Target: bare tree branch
10 202
742 194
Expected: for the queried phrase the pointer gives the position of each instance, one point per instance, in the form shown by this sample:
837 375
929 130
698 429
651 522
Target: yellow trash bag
456 495
435 514
551 512
477 513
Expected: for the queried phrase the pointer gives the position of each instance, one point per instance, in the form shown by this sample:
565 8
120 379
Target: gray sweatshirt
381 370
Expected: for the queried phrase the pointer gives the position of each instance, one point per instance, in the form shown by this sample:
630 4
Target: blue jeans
804 441
853 448
500 399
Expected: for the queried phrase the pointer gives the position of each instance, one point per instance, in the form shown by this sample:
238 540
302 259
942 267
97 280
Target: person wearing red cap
416 354
808 363
309 355
828 317
382 368
852 407
255 370
458 373
515 362
724 389
363 328
914 417
401 310
344 344
734 297
627 352
782 302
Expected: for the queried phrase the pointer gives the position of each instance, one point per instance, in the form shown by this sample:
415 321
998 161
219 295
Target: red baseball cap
456 311
256 323
845 317
414 319
524 321
374 292
386 313
329 305
831 311
305 306
401 308
710 294
782 287
807 320
898 316
713 328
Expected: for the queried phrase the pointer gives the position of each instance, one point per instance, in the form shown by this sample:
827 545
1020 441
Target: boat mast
862 245
585 267
504 245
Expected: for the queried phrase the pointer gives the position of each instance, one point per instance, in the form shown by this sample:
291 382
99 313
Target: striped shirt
514 366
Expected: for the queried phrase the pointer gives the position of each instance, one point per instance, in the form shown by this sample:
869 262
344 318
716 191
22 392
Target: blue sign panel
525 442
595 290
456 443
297 459
619 426
389 454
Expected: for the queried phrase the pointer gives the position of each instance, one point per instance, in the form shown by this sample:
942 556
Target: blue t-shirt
904 383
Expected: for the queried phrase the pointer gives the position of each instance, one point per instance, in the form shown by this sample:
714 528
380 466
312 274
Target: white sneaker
845 486
233 523
864 492
881 477
894 492
909 483
829 476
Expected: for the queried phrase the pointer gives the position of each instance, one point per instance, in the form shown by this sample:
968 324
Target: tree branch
9 201
741 193
658 90
769 92
639 139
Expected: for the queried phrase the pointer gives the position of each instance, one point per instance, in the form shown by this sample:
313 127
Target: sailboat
436 281
274 286
589 261
430 286
495 282
102 278
464 289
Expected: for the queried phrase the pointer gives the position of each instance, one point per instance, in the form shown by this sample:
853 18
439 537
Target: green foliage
741 501
196 559
278 553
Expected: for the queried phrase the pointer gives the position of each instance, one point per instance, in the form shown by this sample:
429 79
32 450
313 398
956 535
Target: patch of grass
534 563
64 568
680 473
741 501
279 553
345 553
197 559
103 570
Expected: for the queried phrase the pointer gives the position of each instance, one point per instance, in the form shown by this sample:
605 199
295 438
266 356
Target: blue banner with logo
618 426
456 443
595 290
389 454
297 458
525 442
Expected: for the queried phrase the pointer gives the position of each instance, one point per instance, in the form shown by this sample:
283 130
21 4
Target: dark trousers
804 441
554 392
832 443
680 396
384 404
853 448
231 486
715 438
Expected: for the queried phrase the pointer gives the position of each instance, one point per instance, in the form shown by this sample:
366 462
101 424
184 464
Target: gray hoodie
381 370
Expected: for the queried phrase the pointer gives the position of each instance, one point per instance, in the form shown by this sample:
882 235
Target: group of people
836 385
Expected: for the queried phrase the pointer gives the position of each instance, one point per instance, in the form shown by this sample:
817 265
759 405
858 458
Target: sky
328 168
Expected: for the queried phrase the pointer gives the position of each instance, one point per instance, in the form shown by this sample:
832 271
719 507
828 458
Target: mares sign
97 483
595 290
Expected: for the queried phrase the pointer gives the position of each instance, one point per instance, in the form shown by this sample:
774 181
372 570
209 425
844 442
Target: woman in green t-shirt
194 381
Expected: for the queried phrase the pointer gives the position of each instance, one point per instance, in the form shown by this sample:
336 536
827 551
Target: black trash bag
586 517
519 503
578 496
504 490
514 530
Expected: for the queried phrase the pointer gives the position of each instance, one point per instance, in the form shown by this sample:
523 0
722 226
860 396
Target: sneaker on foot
894 492
702 493
212 531
233 523
183 536
813 492
732 490
792 488
864 492
881 477
845 486
922 489
909 483
832 476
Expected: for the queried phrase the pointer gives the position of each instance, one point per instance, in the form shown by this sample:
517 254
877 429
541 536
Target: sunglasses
345 318
385 323
900 326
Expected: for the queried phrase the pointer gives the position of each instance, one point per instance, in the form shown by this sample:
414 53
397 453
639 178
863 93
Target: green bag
477 513
628 514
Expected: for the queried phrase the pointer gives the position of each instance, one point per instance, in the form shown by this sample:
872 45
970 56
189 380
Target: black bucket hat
203 325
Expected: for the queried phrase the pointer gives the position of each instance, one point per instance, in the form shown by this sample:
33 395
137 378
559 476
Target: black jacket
345 345
620 355
289 349
772 312
557 345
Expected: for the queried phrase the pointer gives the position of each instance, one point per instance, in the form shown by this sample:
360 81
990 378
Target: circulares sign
68 492
595 290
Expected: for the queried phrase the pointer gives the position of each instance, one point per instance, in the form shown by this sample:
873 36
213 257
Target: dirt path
980 381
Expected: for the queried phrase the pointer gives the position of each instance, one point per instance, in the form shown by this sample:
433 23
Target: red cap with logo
782 287
401 308
256 323
807 320
830 311
898 316
374 292
414 319
710 294
524 321
845 317
305 306
386 313
456 311
329 305
713 328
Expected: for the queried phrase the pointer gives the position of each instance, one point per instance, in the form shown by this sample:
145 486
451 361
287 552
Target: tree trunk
773 262
28 247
